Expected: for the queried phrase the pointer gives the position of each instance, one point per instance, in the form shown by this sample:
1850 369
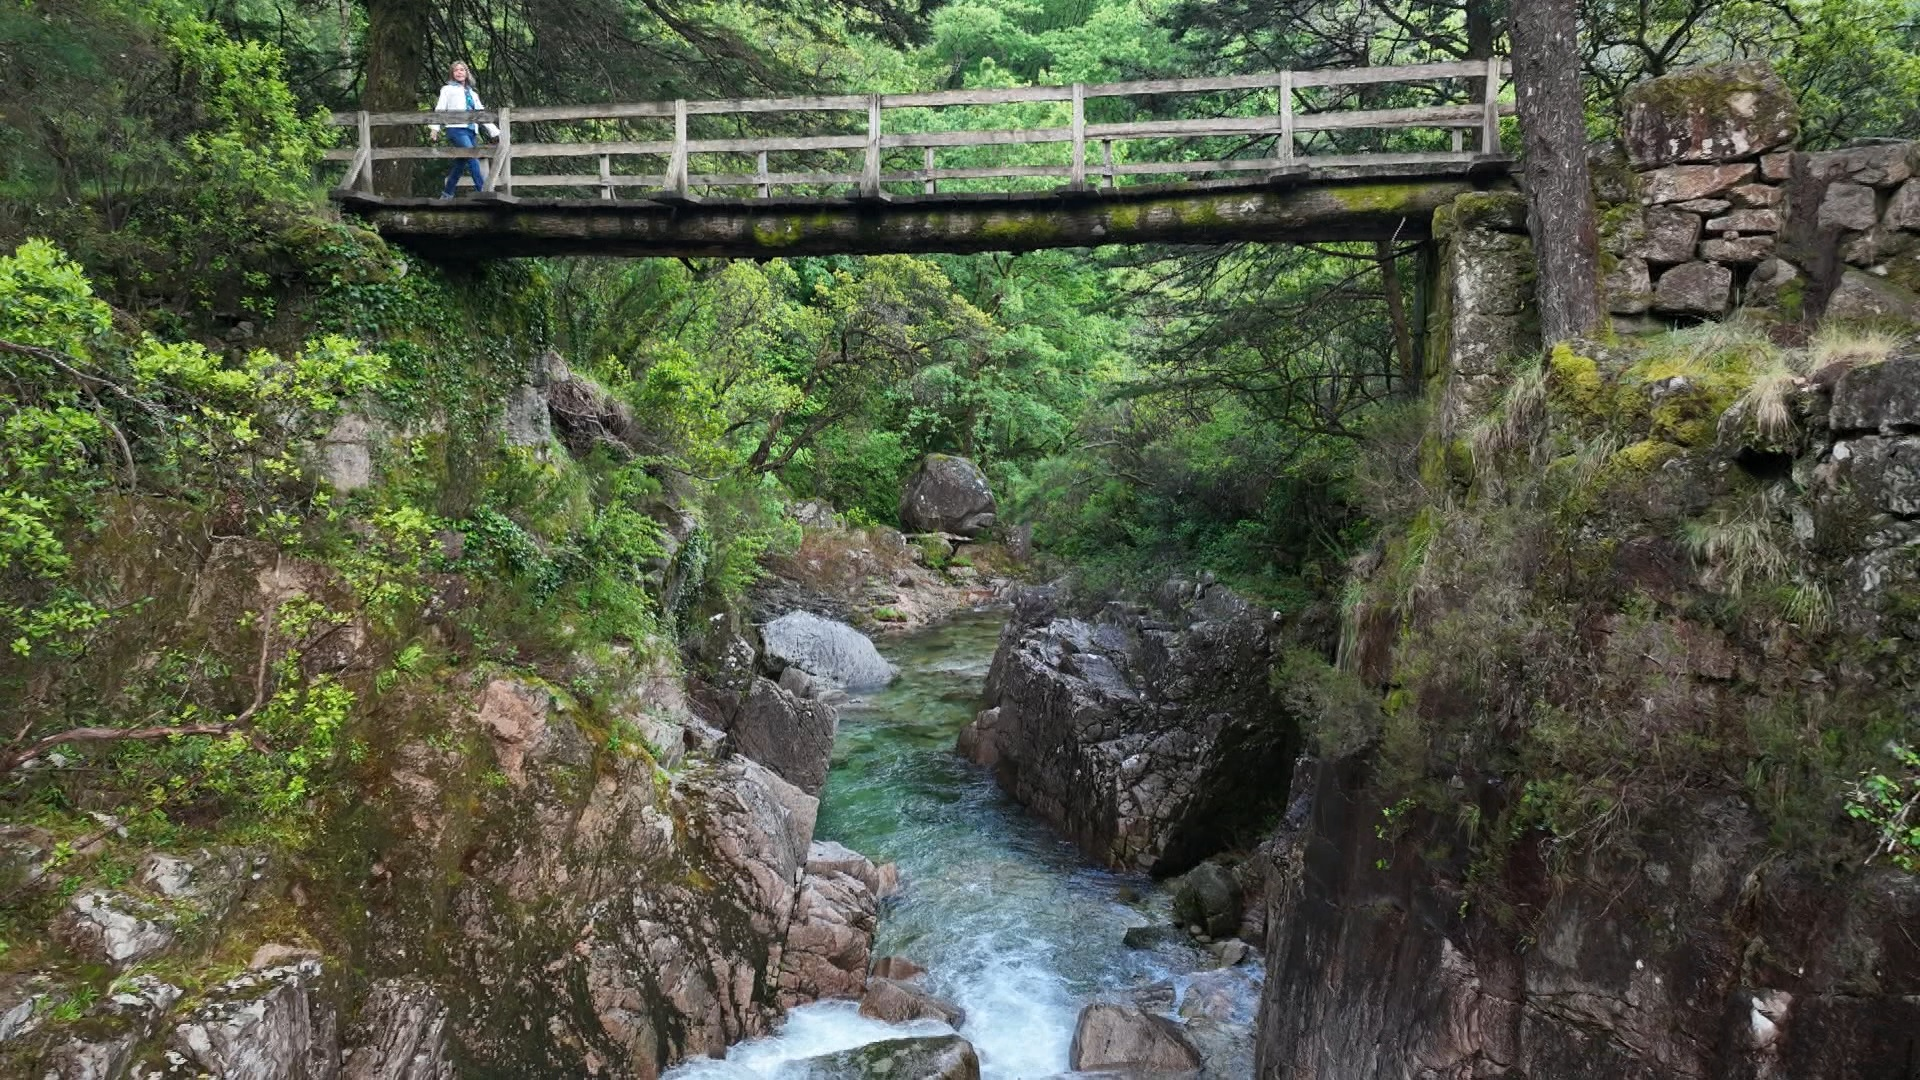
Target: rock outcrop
948 495
829 942
1148 735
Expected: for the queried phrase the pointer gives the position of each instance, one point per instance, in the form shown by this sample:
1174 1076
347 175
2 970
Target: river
1012 923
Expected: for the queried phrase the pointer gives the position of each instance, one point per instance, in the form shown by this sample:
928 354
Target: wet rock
401 1035
115 928
1232 952
1725 112
1208 896
826 857
979 741
897 1003
1702 289
1212 995
897 968
1882 398
1149 937
1156 997
825 649
948 494
1122 1037
263 1026
1685 183
939 1057
1862 297
1672 235
830 941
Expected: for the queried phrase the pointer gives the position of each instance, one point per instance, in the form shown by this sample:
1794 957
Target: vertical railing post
365 178
1077 172
870 176
677 163
501 178
606 176
765 188
1490 127
1286 115
931 186
1106 162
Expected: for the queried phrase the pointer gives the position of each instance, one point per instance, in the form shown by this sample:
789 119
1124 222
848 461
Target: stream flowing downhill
1012 923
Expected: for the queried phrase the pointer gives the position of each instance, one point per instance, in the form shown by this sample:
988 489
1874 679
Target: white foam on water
824 1027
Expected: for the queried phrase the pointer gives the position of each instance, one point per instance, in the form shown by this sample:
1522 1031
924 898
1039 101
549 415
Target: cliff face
1605 694
1700 955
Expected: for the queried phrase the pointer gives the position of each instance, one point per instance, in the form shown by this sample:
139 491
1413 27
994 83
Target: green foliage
1891 805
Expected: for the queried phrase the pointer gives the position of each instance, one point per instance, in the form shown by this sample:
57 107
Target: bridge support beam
1389 205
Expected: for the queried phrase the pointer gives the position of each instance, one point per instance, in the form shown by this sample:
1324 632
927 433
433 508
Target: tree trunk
396 57
1409 364
1546 77
1482 32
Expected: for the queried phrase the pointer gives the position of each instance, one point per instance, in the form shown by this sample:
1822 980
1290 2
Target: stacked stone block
1709 208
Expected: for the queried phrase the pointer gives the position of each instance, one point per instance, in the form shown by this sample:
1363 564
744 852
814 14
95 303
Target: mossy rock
1721 112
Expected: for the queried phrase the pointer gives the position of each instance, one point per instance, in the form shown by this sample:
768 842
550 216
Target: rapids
1011 922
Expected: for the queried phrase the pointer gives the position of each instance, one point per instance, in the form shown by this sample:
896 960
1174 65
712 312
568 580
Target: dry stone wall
1706 208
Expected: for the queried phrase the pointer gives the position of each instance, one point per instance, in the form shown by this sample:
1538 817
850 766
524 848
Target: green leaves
1891 805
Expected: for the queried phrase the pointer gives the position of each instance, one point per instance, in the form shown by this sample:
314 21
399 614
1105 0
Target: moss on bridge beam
1368 207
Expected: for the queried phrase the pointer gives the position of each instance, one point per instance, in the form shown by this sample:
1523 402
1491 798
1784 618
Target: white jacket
453 98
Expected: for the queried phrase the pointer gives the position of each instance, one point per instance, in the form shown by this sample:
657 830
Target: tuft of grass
1766 400
1736 547
1834 344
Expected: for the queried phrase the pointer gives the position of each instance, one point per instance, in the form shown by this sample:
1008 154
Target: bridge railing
1280 140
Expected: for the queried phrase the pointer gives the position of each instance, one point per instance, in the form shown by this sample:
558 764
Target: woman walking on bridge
459 96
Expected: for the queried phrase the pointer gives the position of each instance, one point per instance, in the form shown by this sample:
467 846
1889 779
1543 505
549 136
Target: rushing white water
1011 922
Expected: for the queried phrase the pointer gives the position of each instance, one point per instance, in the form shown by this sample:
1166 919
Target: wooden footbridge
1272 157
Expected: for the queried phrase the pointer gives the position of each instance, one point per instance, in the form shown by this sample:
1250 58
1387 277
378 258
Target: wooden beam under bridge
1372 202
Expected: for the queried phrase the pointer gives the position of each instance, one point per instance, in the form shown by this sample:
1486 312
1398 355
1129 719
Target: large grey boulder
825 649
1725 112
1123 1037
1145 734
939 1057
948 494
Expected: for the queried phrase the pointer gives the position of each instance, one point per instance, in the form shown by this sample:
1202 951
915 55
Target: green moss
1376 198
1575 383
1498 211
1644 456
1446 462
1025 229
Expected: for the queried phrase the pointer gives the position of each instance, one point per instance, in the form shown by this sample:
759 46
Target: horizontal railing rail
1283 128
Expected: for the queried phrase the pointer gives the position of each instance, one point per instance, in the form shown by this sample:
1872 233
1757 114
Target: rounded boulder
948 494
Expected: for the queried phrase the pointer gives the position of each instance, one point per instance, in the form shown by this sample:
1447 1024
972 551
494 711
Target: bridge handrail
1482 116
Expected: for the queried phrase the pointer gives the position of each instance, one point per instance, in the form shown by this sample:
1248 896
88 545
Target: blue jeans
462 137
